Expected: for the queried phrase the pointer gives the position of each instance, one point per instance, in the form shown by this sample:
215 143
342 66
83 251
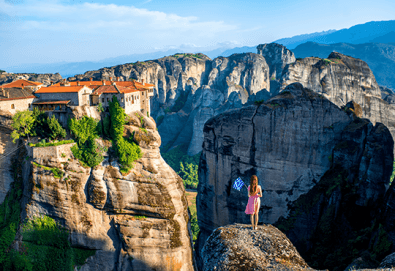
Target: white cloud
53 15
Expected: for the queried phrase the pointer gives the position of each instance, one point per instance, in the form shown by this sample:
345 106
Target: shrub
83 129
189 175
55 129
87 150
127 153
23 123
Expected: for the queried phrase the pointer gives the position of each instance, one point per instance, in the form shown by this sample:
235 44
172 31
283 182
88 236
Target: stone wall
52 152
18 104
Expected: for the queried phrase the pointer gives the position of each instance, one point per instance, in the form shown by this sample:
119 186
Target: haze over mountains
377 32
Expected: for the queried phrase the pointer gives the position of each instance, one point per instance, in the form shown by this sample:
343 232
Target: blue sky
33 31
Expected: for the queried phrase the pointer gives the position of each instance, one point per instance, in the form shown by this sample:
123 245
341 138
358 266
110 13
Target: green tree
189 174
22 122
55 129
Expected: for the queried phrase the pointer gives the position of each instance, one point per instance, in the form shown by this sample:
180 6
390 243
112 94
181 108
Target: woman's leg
252 220
256 214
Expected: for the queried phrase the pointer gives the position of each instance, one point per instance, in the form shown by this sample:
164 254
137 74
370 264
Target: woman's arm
260 191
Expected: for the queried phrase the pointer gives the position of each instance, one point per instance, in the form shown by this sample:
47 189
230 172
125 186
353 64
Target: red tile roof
113 89
19 83
109 83
56 89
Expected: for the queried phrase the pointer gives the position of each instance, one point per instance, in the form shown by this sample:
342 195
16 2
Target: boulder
238 247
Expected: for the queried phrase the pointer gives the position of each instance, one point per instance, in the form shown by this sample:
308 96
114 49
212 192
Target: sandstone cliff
292 142
138 221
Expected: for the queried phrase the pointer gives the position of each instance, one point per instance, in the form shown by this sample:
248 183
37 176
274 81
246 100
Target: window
12 106
108 99
102 99
121 99
29 105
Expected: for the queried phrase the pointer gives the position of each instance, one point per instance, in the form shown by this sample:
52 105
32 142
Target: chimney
143 82
8 93
114 84
78 83
118 78
103 82
110 78
23 86
91 79
51 83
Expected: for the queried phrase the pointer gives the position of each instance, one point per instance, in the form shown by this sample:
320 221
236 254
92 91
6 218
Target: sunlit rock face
137 221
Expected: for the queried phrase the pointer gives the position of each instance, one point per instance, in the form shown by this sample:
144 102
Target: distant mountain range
378 32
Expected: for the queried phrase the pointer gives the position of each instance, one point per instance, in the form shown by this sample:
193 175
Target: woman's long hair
253 184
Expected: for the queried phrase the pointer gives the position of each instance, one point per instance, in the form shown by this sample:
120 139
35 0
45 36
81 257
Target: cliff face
137 221
286 142
190 89
342 79
292 142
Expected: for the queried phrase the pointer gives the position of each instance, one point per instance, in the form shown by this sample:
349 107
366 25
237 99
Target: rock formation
7 149
191 88
293 143
237 247
342 79
137 221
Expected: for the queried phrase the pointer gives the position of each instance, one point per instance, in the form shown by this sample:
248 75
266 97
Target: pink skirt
250 209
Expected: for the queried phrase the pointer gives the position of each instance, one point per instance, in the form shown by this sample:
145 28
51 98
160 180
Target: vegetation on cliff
36 123
85 132
127 150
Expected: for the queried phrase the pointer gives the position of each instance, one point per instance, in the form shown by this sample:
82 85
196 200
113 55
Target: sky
51 31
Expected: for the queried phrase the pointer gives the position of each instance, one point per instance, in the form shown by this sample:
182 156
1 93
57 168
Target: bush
55 129
23 123
87 150
189 174
127 153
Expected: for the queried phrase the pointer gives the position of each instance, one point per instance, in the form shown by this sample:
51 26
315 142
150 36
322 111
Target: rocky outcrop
321 168
286 142
238 247
342 79
138 221
45 78
277 57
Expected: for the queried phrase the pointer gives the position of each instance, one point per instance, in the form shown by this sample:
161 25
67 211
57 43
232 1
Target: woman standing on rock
254 201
